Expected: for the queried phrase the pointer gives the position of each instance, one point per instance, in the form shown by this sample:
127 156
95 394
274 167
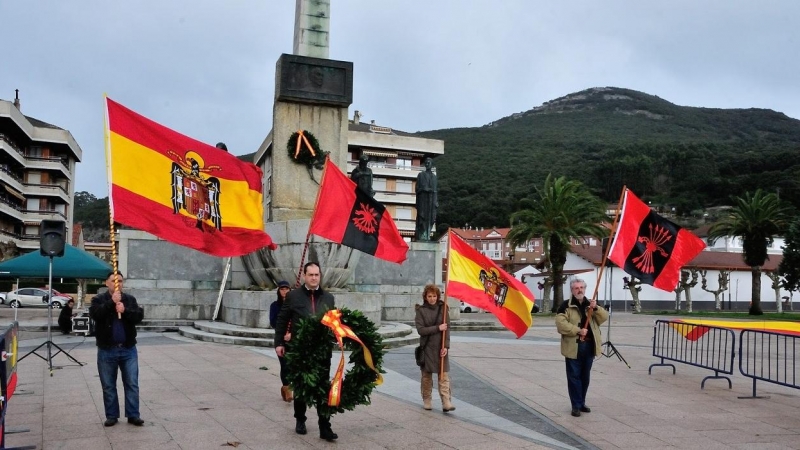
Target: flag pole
308 234
605 258
107 137
444 316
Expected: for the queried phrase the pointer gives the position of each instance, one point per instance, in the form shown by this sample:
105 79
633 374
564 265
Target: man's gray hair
576 280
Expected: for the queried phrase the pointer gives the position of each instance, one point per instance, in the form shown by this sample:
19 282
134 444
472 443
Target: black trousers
300 409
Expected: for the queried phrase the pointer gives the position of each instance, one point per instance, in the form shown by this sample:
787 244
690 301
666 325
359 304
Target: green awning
75 263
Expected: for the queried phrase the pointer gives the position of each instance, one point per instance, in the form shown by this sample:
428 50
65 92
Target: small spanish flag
475 279
180 189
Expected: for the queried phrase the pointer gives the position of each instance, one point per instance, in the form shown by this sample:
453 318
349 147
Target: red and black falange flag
349 216
650 247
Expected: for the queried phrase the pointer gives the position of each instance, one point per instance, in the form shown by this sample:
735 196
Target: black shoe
585 408
135 421
328 434
300 428
110 422
576 413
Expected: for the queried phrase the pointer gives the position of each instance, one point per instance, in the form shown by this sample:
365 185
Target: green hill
683 157
674 156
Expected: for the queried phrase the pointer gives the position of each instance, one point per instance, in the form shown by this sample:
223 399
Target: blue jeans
127 361
579 371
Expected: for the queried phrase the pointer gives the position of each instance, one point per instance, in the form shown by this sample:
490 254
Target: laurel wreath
309 358
313 157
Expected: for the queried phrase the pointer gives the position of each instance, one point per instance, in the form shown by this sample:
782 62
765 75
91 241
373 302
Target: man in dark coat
116 315
307 301
65 317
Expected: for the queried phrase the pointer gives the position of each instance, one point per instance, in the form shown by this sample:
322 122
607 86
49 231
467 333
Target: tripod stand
49 342
608 348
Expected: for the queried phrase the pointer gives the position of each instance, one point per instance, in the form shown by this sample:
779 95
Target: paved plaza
509 393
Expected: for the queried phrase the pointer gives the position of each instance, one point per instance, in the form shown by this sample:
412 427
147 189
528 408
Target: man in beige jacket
579 345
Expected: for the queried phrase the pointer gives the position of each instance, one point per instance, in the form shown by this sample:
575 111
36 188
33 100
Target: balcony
391 170
12 149
48 163
395 198
10 209
39 215
47 190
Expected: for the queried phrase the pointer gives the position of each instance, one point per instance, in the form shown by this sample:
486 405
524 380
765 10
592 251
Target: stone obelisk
312 94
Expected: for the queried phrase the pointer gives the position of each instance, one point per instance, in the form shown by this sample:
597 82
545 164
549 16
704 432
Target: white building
37 174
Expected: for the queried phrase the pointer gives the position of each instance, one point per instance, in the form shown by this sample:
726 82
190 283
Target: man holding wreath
307 301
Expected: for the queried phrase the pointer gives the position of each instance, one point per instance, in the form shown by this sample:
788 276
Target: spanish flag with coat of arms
475 279
180 189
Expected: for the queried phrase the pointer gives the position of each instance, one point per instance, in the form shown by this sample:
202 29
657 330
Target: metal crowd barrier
770 357
702 346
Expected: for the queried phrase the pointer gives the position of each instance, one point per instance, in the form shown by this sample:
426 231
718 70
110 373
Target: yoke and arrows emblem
658 237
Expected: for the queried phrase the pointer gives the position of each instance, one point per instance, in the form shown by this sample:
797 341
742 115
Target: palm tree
757 218
562 211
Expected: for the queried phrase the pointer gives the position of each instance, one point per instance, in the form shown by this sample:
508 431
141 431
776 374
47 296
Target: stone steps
394 334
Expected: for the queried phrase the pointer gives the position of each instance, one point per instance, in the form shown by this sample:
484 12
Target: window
379 184
404 186
403 212
403 163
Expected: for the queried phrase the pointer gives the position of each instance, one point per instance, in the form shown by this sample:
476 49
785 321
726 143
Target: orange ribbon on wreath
302 138
332 320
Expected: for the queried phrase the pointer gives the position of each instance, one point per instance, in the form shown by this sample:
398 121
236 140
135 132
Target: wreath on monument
309 358
303 148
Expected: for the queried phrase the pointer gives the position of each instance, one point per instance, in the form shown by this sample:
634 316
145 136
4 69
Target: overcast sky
206 68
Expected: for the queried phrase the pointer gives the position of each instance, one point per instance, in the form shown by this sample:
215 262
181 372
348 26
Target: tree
563 210
722 286
685 285
757 218
790 266
777 284
634 285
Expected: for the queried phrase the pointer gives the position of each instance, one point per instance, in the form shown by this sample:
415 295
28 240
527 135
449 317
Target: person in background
431 327
116 315
579 345
65 317
274 309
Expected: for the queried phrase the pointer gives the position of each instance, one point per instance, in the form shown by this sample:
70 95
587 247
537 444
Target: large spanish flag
180 189
475 279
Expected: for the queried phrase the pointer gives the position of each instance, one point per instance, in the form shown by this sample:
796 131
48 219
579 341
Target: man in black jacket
116 315
307 301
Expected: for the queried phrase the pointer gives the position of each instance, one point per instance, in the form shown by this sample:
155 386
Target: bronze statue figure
427 202
362 176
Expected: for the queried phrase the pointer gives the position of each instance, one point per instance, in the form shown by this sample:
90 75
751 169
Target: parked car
34 297
467 308
2 298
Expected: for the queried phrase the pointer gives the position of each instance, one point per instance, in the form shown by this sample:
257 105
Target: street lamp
510 255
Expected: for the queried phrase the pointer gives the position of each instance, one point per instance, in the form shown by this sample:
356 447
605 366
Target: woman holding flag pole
432 324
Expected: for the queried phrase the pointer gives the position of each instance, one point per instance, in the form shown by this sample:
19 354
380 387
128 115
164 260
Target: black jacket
104 312
298 306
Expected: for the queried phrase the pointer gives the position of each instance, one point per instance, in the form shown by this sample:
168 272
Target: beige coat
568 324
427 320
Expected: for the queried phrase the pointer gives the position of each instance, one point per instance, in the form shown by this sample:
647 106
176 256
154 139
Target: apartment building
37 174
396 158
